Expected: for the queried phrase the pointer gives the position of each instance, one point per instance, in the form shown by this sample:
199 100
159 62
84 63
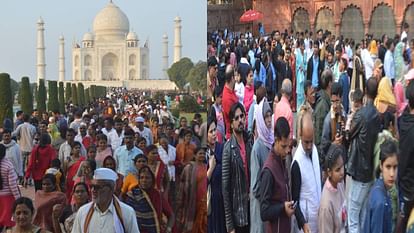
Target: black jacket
406 161
363 136
235 184
309 71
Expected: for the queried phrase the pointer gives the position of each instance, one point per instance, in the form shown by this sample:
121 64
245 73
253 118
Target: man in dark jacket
315 67
406 161
363 136
276 206
235 173
323 105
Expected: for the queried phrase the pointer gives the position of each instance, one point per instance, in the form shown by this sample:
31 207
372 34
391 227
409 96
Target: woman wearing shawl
399 77
215 203
385 100
45 200
71 166
109 162
158 168
149 204
64 216
260 151
191 201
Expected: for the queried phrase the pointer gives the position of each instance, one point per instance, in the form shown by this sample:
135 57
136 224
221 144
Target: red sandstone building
351 18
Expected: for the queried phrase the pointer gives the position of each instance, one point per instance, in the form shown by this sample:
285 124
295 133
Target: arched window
88 75
409 18
132 74
88 60
132 59
325 20
300 21
76 60
351 24
110 67
144 74
382 22
76 75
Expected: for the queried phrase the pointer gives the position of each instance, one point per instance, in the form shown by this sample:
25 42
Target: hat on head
139 119
105 174
378 63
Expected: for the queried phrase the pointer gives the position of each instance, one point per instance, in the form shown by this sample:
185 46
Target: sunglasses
98 187
241 116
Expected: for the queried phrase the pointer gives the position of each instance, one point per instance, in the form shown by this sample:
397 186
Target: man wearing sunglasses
235 173
105 214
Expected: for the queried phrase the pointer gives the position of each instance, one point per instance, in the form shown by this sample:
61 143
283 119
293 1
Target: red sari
44 202
191 203
71 171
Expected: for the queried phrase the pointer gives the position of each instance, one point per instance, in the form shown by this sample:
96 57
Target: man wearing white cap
143 131
106 214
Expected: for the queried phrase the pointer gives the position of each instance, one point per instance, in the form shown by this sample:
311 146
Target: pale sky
73 18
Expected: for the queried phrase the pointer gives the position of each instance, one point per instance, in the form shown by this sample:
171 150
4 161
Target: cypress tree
6 100
41 97
62 101
68 92
25 96
87 97
74 95
53 101
81 94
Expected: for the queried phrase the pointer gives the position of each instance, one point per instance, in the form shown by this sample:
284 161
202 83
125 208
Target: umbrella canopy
251 15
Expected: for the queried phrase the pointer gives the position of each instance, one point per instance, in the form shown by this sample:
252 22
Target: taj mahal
111 55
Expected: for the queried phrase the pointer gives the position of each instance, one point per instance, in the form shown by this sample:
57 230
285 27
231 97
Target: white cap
105 174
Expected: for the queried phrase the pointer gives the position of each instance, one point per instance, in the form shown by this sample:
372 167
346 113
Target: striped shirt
9 179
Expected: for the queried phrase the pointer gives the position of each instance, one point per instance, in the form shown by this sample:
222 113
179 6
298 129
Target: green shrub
188 104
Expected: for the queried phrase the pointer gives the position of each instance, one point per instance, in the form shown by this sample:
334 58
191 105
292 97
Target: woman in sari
191 201
399 77
131 180
184 151
85 172
103 150
23 211
215 203
150 205
71 167
64 216
159 169
109 162
45 200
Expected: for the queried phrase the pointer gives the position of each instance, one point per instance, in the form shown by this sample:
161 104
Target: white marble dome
87 36
132 36
110 23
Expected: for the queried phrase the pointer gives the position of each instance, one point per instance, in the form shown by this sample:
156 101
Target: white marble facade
111 53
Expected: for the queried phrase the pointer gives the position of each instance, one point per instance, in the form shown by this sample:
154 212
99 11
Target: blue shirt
124 159
315 79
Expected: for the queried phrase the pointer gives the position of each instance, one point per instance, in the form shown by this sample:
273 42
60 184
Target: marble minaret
61 59
41 65
165 56
177 39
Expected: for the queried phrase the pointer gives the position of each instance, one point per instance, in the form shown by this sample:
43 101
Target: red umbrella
251 15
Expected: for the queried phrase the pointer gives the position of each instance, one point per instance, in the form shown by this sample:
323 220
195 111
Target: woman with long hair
191 201
23 211
109 162
71 166
45 200
150 205
215 203
158 168
64 216
39 161
9 191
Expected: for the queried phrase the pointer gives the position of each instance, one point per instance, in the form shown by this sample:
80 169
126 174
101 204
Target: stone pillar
165 56
41 65
177 39
61 59
366 27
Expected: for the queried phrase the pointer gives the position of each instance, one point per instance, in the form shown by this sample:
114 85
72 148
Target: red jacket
229 98
39 161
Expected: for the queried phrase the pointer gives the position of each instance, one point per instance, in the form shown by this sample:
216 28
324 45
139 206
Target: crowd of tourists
310 132
123 163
